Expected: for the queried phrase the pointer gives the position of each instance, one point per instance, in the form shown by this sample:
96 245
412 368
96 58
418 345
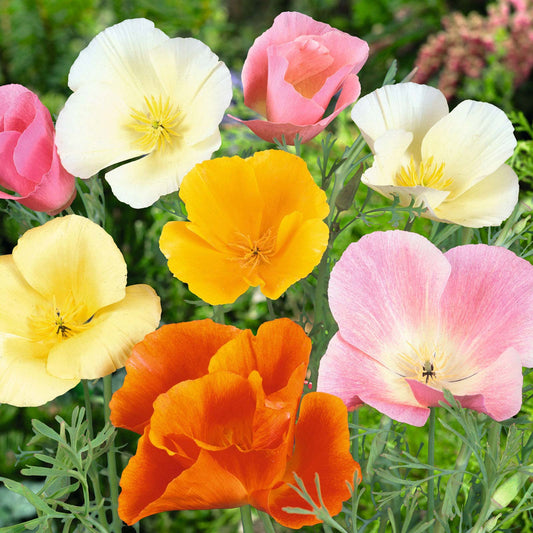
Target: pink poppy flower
31 168
293 70
414 321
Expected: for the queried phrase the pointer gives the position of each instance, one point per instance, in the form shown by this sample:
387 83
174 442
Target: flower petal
279 352
120 52
24 380
92 130
106 344
322 446
357 378
14 318
391 282
58 261
173 353
404 106
225 282
488 304
488 203
473 141
483 391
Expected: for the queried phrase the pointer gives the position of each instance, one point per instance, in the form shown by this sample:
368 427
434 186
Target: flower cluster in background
463 48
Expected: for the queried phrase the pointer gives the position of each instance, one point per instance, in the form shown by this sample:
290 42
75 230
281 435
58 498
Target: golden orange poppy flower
252 222
216 407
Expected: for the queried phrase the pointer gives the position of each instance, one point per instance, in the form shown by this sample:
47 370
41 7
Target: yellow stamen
157 124
427 174
250 252
54 323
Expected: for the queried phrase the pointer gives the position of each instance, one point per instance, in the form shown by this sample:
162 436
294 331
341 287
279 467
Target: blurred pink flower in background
414 321
292 72
31 171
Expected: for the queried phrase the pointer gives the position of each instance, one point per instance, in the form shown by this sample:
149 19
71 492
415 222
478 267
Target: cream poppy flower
65 312
139 93
453 163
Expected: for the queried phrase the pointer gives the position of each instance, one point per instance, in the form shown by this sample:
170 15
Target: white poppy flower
452 163
139 93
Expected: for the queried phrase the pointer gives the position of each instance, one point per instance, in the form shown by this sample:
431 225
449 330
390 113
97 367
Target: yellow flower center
55 323
252 252
431 364
427 174
157 123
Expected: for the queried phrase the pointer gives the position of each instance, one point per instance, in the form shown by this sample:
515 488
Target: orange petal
322 445
211 275
279 352
173 353
300 245
286 186
154 482
223 199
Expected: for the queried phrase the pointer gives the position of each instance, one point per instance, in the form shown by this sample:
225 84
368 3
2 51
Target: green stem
270 307
218 314
116 525
409 224
94 475
431 462
246 519
267 522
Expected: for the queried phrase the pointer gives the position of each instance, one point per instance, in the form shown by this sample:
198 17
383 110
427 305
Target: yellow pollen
250 252
426 174
157 124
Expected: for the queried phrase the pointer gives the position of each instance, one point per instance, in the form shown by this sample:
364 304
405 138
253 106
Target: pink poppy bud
31 168
292 72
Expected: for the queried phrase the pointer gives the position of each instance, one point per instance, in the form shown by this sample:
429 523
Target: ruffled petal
488 304
106 344
488 203
404 106
170 355
473 141
24 379
59 261
322 446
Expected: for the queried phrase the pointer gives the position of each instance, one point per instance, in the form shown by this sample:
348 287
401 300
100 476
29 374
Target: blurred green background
39 40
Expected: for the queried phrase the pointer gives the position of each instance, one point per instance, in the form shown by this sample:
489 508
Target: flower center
426 174
55 323
157 123
252 252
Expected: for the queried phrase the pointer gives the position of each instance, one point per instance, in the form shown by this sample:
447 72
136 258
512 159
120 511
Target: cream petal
92 130
120 56
201 85
106 344
404 106
72 257
142 182
24 380
488 203
18 302
473 141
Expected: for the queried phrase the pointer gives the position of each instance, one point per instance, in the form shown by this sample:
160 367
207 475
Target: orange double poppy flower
217 407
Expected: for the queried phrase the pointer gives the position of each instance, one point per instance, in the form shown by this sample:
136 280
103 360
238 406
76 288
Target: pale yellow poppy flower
65 312
452 163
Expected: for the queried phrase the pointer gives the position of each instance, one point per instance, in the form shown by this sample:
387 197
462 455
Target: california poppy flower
452 163
65 312
216 407
252 222
414 321
138 92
